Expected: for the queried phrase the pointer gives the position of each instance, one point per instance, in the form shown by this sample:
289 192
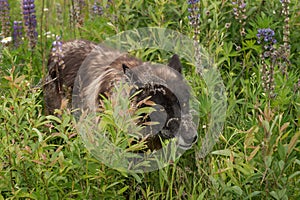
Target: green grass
256 157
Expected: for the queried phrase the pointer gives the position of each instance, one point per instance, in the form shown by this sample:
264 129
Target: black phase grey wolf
99 68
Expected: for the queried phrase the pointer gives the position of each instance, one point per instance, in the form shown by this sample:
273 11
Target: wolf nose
191 140
194 139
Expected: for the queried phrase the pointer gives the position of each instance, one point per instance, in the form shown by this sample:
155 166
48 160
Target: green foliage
257 157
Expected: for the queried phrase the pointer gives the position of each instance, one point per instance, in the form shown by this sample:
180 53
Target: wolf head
167 89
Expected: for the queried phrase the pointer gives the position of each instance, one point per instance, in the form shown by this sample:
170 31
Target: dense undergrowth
257 155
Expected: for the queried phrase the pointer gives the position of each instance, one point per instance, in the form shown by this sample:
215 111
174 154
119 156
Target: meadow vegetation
256 48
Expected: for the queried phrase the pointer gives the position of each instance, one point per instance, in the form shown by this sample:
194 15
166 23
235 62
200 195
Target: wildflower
30 22
192 1
56 51
297 86
6 40
284 1
59 14
4 18
194 21
242 5
239 10
238 47
50 35
194 12
284 50
81 5
57 55
17 33
227 25
97 9
77 14
194 17
266 37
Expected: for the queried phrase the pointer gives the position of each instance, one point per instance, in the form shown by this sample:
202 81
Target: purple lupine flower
59 14
81 6
194 21
4 18
194 17
242 5
266 37
77 14
29 18
17 33
97 9
239 10
284 1
57 55
286 27
285 49
192 1
57 52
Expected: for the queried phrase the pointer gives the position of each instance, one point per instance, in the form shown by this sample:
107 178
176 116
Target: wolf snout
192 139
187 133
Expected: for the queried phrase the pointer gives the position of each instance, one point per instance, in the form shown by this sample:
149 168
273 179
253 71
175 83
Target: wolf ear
175 63
125 68
132 77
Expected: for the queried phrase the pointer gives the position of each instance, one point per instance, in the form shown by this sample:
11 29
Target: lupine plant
284 50
57 51
30 21
17 33
194 15
76 14
286 28
59 16
57 54
5 18
266 37
239 10
97 8
194 22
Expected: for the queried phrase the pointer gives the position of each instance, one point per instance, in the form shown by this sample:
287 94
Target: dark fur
98 68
